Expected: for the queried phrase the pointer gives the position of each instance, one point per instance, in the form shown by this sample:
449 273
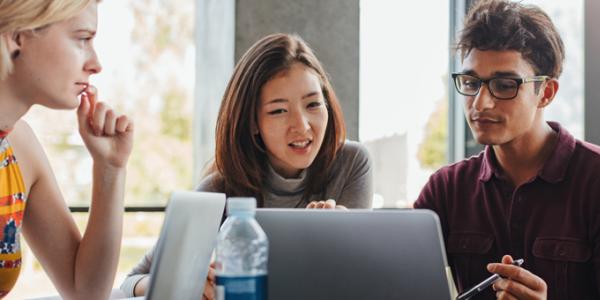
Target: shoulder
353 152
454 176
585 162
22 132
211 183
588 151
27 148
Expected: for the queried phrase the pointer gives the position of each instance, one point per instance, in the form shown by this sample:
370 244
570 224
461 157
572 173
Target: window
567 107
403 94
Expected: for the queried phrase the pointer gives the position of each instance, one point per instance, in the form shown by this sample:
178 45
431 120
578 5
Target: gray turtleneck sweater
350 184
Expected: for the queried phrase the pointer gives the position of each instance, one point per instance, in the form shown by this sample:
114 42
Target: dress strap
3 134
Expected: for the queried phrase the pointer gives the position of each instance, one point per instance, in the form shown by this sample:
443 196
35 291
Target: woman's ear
13 43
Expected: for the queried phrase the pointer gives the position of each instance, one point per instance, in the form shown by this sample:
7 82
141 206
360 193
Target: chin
66 103
488 140
301 165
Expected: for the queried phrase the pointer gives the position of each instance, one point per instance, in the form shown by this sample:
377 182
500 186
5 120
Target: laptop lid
187 239
357 254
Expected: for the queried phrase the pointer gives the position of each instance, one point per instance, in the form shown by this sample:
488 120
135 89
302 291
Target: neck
523 158
13 106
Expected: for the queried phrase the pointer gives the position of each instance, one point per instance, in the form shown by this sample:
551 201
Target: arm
82 267
137 281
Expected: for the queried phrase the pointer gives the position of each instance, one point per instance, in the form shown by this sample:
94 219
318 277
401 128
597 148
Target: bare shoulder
28 151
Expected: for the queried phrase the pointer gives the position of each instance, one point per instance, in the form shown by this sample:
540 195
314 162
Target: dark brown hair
240 158
506 25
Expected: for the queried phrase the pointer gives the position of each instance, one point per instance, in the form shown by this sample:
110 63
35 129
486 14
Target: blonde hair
23 15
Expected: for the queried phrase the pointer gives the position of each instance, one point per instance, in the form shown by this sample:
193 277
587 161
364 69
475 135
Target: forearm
98 252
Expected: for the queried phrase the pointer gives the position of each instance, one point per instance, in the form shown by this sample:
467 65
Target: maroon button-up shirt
552 221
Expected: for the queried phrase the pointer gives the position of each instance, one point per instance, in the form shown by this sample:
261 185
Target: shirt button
562 251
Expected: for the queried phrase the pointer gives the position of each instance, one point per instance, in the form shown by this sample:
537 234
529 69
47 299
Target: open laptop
356 254
187 239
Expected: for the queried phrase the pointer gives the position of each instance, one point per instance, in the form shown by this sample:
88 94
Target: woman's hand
209 287
108 137
328 204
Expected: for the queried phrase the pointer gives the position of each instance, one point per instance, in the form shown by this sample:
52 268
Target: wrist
108 168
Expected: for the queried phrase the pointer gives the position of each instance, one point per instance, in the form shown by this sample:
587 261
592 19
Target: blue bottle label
241 287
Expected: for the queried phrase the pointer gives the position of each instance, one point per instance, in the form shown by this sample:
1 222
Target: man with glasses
534 192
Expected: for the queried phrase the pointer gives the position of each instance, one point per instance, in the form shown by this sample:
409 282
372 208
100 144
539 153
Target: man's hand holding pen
516 282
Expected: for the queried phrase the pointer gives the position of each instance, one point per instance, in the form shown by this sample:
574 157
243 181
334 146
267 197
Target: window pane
403 98
147 51
567 107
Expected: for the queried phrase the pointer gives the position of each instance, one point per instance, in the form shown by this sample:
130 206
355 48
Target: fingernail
490 267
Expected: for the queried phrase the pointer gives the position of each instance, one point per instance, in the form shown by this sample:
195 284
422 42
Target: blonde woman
47 58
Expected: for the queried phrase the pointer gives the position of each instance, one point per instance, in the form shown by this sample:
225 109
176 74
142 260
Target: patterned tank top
12 206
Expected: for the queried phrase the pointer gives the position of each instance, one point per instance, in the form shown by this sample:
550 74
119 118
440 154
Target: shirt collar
280 185
553 170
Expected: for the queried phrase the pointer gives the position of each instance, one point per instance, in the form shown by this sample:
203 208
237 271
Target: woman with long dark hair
280 138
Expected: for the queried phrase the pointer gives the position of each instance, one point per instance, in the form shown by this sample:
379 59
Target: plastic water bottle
241 254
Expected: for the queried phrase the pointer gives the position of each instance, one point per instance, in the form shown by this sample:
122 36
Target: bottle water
241 254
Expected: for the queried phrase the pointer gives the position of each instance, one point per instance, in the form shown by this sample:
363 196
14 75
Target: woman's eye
315 104
277 111
85 39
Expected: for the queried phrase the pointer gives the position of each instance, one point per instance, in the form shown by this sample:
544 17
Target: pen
484 284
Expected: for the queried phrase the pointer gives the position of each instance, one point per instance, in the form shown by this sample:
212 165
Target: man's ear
548 91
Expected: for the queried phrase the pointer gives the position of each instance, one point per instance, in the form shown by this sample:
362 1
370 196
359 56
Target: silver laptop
187 239
357 254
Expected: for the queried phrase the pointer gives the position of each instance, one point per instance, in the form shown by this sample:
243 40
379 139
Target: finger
109 123
209 290
320 204
99 118
515 288
211 274
83 111
312 204
503 295
507 259
123 124
519 274
92 94
330 203
342 207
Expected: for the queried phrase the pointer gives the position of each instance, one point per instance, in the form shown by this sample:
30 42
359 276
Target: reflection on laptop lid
357 254
187 239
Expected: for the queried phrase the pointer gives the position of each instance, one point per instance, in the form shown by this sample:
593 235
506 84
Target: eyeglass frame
518 80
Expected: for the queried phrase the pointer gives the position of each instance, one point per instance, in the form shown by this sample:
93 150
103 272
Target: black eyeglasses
504 88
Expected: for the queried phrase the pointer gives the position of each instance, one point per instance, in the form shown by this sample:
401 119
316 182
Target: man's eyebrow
469 72
506 74
495 74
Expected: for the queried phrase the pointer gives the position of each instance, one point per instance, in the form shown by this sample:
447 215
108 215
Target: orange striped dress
12 206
